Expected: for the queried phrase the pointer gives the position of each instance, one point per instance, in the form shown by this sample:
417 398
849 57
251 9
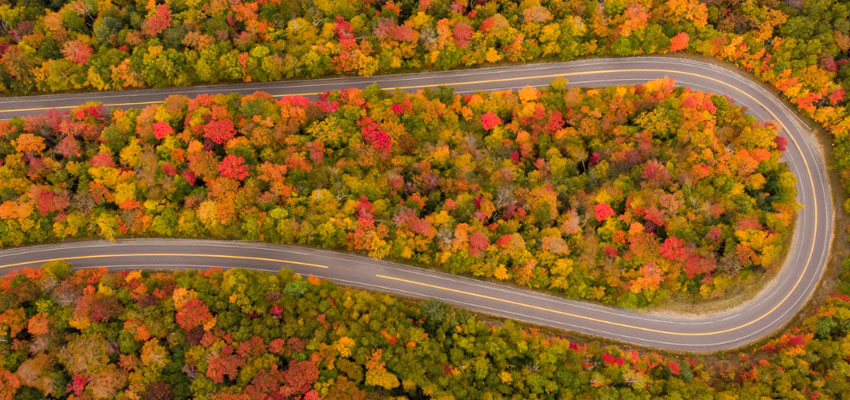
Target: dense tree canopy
624 195
190 168
94 334
799 47
51 45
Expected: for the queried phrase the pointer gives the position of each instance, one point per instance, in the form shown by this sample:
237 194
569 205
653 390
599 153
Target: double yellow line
505 301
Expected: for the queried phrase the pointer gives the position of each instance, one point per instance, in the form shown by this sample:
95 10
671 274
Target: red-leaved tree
193 313
219 131
77 51
162 129
490 120
299 377
602 212
233 167
158 21
679 42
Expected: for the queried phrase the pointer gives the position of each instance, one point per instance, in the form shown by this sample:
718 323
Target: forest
592 175
625 195
800 48
244 335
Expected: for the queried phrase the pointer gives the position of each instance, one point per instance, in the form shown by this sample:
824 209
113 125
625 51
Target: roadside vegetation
252 167
624 195
240 335
800 48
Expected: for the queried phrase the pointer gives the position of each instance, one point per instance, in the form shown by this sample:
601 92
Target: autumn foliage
241 334
626 195
679 42
104 46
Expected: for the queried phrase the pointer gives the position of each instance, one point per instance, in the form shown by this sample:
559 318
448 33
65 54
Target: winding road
768 311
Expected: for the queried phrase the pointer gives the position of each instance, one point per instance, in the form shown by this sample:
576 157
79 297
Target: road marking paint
275 85
775 117
545 321
18 251
165 255
564 313
516 303
408 87
493 311
565 74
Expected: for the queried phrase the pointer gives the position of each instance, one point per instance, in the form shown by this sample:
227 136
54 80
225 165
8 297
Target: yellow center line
76 105
775 117
516 303
566 74
165 255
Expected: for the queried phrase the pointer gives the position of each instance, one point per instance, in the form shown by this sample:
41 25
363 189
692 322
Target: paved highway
767 312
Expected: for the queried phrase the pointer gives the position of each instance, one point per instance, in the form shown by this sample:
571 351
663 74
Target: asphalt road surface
768 311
